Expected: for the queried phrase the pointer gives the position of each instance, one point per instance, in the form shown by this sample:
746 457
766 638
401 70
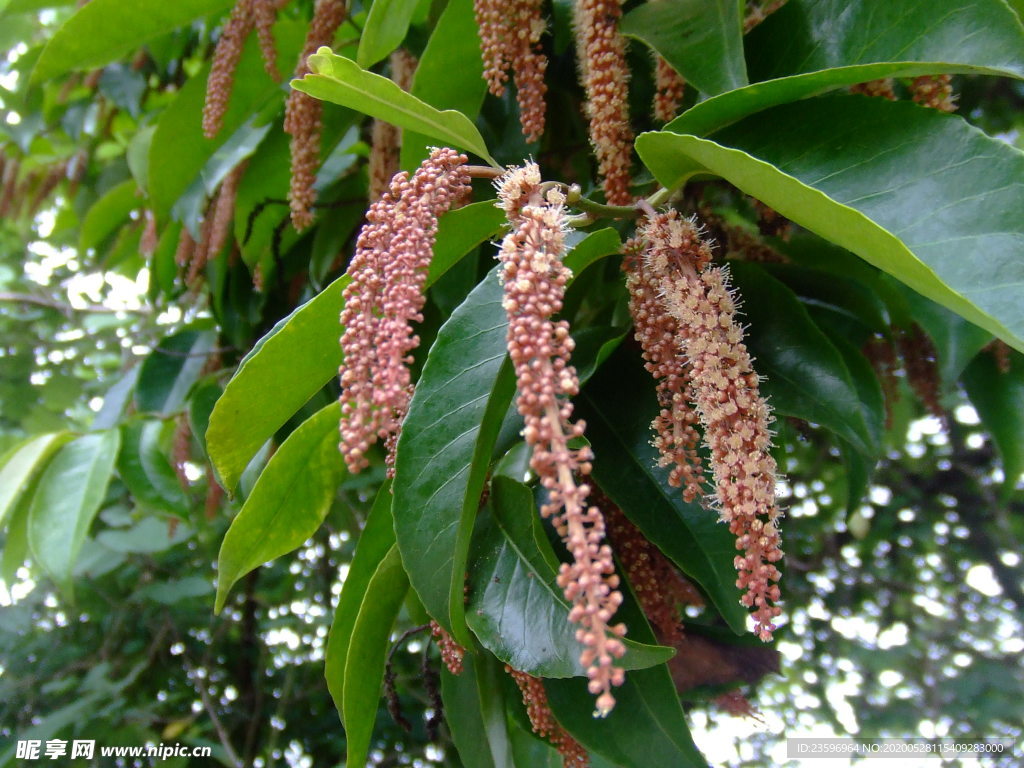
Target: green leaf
171 369
22 463
384 30
516 608
375 541
368 647
804 374
289 502
148 536
474 708
919 194
446 442
176 590
701 39
342 81
16 550
106 30
68 497
896 39
107 214
449 75
999 399
179 150
626 469
144 468
300 354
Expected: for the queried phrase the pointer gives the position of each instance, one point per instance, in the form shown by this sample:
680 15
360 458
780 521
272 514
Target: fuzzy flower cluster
385 141
921 364
601 51
725 390
935 91
302 116
543 721
882 89
534 279
659 336
384 298
510 35
669 89
451 652
245 15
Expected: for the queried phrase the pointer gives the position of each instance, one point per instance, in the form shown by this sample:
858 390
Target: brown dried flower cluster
384 298
510 35
601 51
245 15
302 114
8 184
543 721
935 91
215 230
881 353
1001 352
725 391
882 89
669 89
451 652
535 279
385 141
920 362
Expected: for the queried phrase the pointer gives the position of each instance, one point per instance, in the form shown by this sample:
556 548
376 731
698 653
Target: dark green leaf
873 41
384 30
288 503
107 214
375 541
171 369
367 649
66 501
701 39
105 30
515 607
919 194
999 399
449 75
144 468
176 590
463 711
341 81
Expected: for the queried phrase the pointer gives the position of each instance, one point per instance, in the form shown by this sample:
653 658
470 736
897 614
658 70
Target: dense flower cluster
385 141
302 116
881 353
384 298
451 652
883 88
510 35
920 362
543 721
245 15
935 91
725 391
658 333
669 89
601 51
534 279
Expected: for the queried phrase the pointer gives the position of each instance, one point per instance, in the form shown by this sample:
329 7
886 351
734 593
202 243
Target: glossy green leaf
447 439
21 463
384 30
107 214
106 30
999 399
804 374
300 354
341 81
179 150
874 40
919 194
463 711
626 469
368 647
375 541
516 609
144 468
449 75
69 495
171 369
288 503
701 39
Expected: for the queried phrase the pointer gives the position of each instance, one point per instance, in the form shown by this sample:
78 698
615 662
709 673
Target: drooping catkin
8 196
385 141
534 280
510 35
302 116
725 390
264 16
601 51
669 89
383 300
223 210
543 721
